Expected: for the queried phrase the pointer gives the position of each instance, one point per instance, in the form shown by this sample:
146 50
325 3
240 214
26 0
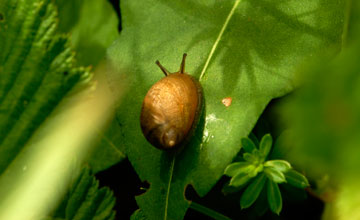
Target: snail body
171 108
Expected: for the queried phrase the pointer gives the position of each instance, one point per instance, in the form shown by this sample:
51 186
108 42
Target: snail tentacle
165 71
182 66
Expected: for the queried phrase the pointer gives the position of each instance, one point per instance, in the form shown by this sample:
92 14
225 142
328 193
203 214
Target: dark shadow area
116 6
271 120
125 183
309 208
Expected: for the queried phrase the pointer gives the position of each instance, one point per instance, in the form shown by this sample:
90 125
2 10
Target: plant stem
209 212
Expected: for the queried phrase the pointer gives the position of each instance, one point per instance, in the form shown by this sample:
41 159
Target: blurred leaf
85 200
283 145
352 31
324 114
208 212
238 167
93 27
274 197
254 61
292 193
65 7
248 145
250 158
280 165
240 179
138 215
228 189
254 172
108 147
260 206
37 71
254 139
252 191
259 168
109 150
296 179
346 205
325 119
275 175
265 145
258 155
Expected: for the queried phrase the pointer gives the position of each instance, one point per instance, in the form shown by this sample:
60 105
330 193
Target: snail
171 109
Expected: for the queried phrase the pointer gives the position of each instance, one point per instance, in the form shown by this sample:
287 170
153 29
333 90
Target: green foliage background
255 61
264 53
38 70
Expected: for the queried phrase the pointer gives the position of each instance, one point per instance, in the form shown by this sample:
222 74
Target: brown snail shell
171 108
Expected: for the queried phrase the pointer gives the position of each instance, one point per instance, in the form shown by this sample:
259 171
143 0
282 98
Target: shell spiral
170 109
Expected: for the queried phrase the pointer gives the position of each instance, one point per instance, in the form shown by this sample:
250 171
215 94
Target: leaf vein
168 188
219 38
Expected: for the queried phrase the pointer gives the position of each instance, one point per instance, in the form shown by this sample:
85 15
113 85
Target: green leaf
248 145
274 197
109 148
265 145
238 167
259 168
93 27
85 200
325 115
227 189
240 179
208 212
254 139
283 145
254 172
138 215
258 156
37 70
253 61
260 206
275 175
280 165
252 191
250 158
296 179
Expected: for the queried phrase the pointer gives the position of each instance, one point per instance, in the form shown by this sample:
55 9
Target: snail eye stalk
165 71
182 66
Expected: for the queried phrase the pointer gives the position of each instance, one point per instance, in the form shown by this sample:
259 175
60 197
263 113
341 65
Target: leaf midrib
212 51
169 185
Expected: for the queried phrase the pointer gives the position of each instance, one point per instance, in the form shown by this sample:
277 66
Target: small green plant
258 172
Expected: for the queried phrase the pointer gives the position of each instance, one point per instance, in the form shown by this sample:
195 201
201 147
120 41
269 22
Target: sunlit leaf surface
254 61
